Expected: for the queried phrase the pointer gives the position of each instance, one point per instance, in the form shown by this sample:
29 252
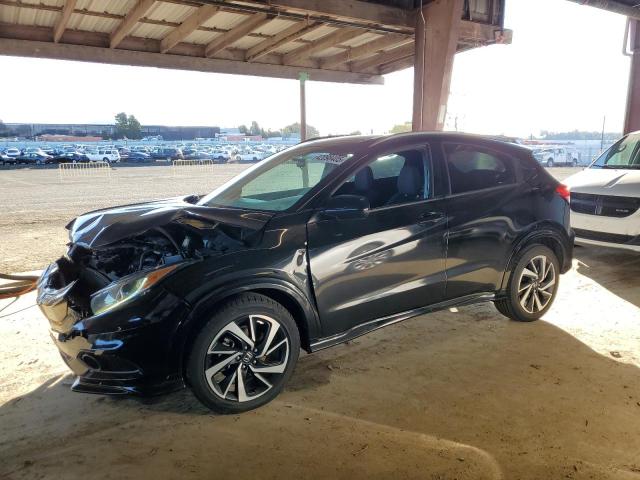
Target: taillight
564 192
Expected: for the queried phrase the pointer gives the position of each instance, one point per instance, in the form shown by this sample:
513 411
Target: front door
390 260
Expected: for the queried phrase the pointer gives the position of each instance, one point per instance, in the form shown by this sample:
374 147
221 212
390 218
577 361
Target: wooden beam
288 35
436 43
375 46
186 28
353 10
129 22
82 53
382 58
63 20
323 43
481 34
395 65
223 41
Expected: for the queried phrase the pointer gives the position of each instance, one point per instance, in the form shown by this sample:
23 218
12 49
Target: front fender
263 282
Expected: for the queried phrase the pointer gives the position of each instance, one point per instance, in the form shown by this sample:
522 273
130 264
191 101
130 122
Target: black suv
312 247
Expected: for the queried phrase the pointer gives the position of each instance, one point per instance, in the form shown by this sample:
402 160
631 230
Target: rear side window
476 168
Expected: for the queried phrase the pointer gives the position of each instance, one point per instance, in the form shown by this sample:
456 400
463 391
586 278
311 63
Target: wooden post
303 106
437 26
632 116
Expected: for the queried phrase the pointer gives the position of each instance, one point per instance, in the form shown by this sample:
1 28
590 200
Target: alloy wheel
536 284
246 358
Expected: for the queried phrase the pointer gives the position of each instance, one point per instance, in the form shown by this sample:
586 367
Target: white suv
104 155
605 198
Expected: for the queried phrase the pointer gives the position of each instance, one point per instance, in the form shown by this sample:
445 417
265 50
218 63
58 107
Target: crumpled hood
103 227
604 181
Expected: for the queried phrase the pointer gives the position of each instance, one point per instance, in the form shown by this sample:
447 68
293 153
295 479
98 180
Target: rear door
392 259
488 208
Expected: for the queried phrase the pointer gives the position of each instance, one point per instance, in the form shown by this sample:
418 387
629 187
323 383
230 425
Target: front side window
278 182
622 154
476 168
392 179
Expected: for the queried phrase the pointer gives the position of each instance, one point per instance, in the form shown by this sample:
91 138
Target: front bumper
621 233
128 350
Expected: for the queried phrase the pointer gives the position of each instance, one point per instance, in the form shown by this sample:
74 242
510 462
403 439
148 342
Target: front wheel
550 163
244 355
532 286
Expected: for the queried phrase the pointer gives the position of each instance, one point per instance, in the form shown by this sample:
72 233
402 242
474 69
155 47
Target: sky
564 71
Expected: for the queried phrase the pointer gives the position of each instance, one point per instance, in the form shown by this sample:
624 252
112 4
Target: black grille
604 205
606 237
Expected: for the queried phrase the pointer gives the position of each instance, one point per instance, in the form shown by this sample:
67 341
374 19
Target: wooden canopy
331 40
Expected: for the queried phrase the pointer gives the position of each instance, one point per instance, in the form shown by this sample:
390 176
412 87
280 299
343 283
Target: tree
401 128
255 129
3 129
127 126
243 129
294 130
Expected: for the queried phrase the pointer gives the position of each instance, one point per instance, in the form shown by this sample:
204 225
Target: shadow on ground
464 395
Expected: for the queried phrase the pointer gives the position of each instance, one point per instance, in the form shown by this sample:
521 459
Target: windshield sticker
330 157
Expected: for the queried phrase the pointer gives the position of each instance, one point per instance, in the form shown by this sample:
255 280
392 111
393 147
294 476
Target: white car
550 157
103 155
249 156
605 198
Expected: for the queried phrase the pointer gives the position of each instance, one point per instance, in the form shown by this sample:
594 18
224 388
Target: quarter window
475 168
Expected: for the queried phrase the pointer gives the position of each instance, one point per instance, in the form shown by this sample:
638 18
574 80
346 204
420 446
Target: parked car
551 157
605 198
313 247
167 154
103 155
71 157
220 156
7 160
13 152
249 156
34 158
139 157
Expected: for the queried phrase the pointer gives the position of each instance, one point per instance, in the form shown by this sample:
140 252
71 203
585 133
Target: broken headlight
126 289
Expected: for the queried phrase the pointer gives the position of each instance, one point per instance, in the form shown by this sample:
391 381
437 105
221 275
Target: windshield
622 154
280 181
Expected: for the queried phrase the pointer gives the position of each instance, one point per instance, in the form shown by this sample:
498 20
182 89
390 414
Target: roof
348 41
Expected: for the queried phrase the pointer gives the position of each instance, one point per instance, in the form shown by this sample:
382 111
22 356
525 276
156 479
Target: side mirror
346 207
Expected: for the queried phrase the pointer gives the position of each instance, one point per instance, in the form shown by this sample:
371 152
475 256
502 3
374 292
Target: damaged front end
110 312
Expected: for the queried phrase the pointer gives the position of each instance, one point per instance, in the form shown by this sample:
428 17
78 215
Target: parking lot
460 394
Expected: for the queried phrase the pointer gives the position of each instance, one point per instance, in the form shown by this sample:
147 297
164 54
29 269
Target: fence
84 170
192 166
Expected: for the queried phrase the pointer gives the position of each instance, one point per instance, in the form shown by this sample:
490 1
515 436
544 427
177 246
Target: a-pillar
437 26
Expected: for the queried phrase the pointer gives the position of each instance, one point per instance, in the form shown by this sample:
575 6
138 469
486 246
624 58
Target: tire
575 162
510 306
550 163
105 159
229 330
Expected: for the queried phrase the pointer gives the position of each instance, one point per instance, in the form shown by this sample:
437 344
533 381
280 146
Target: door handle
429 217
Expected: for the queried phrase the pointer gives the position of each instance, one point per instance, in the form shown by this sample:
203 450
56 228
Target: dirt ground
461 394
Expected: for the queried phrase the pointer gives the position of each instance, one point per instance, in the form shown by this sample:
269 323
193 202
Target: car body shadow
462 394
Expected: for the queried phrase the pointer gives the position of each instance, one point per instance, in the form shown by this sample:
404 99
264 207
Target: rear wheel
550 163
575 162
532 286
244 355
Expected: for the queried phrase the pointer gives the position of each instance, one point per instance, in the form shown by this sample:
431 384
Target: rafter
382 58
129 22
63 20
323 43
289 34
186 28
395 65
223 41
375 46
